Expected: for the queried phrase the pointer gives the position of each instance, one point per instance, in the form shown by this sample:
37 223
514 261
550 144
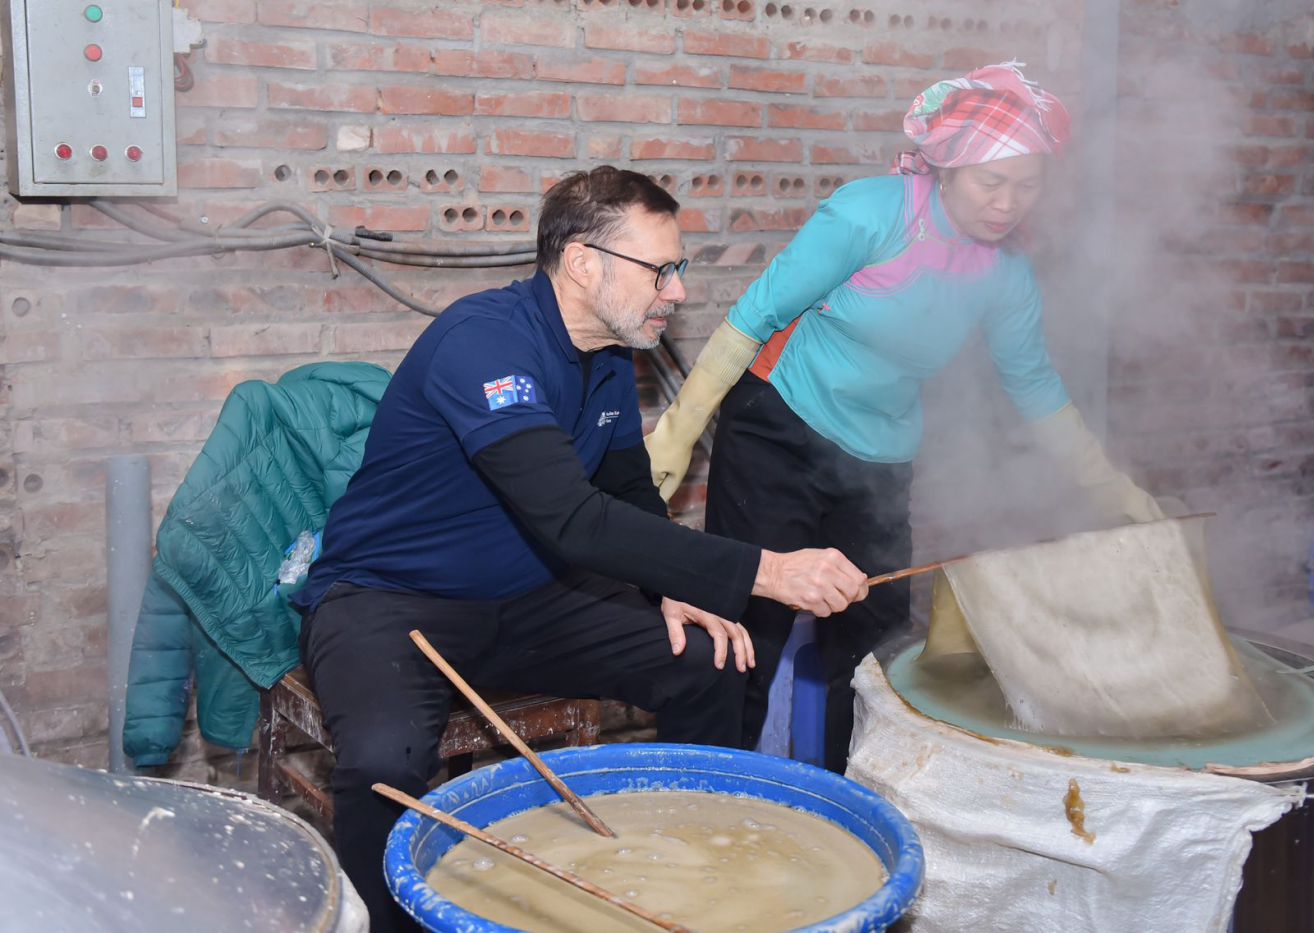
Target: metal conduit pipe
127 568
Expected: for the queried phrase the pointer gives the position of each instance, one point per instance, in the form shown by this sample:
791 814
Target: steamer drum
1026 831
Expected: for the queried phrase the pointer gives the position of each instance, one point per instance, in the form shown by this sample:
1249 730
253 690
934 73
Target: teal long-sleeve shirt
877 293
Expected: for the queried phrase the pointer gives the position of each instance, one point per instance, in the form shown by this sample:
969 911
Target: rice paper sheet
1107 633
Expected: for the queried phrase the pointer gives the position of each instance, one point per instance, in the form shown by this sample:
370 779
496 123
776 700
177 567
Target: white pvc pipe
127 568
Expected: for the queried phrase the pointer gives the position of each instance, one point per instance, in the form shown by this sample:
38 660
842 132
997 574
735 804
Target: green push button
94 14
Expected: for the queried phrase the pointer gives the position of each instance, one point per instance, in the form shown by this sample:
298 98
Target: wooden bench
290 705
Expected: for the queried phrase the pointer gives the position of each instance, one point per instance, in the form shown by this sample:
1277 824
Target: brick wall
442 123
1213 364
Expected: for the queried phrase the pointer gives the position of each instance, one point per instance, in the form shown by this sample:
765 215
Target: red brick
1247 45
784 218
1291 243
31 347
528 143
37 216
271 134
482 64
892 53
336 97
843 155
432 23
772 80
523 105
63 688
383 217
1246 271
428 101
967 58
424 137
818 52
221 11
643 149
137 298
219 173
519 28
1296 215
594 71
677 76
221 91
265 340
869 85
1303 51
608 148
504 179
885 121
58 436
1290 98
1268 185
192 128
697 42
222 51
719 113
628 108
363 56
749 149
906 88
696 220
1262 124
803 118
342 15
153 342
629 39
1295 273
374 338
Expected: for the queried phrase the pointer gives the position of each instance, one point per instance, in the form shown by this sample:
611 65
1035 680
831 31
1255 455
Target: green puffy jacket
279 456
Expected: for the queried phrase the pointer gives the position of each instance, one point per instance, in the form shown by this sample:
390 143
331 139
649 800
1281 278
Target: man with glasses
505 508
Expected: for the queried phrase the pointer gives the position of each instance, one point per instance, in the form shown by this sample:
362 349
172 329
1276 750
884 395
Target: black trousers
386 705
777 483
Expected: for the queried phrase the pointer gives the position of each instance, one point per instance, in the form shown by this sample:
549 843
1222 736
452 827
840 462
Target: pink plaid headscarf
991 113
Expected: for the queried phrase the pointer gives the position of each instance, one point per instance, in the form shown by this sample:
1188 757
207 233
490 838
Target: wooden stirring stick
927 568
911 571
509 734
446 819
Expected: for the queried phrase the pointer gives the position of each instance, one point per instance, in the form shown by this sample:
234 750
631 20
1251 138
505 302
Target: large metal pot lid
86 850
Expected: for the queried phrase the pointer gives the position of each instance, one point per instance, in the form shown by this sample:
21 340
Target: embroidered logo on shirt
607 417
509 390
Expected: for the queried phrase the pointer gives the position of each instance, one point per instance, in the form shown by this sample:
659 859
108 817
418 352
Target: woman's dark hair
591 206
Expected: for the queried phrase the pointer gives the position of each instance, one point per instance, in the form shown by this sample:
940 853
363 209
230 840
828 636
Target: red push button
93 53
133 153
64 152
99 153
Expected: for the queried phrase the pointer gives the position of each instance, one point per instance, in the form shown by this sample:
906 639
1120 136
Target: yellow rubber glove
1065 437
723 360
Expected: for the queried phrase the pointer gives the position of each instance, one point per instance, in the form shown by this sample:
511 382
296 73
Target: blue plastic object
795 726
491 794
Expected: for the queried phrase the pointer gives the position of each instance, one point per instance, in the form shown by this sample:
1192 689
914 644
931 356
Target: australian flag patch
509 390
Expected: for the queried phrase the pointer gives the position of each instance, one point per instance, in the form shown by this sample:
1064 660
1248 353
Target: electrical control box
89 98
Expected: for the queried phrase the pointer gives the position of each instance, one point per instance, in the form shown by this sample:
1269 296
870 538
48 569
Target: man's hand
724 633
821 581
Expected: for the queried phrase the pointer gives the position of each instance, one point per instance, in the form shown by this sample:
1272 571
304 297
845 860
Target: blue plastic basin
488 795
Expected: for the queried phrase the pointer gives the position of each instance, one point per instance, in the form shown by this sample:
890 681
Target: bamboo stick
460 825
509 734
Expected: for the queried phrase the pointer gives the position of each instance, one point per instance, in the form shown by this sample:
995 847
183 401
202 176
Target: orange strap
769 355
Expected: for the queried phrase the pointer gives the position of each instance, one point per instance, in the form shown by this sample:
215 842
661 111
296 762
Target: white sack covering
1166 850
1107 633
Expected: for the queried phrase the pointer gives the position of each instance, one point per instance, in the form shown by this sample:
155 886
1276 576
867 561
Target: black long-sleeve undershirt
615 525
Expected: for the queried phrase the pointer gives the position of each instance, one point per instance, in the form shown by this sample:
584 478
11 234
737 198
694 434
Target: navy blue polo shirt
417 517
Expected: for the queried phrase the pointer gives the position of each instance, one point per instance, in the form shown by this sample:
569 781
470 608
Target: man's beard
626 323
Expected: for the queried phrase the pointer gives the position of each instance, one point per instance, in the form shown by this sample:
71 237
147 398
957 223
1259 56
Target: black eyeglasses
664 272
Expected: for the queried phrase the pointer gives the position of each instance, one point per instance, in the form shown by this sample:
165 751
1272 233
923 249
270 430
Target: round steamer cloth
977 705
